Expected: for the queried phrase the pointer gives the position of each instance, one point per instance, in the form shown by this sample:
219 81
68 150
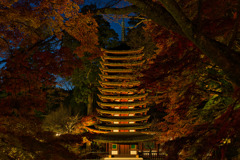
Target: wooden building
122 111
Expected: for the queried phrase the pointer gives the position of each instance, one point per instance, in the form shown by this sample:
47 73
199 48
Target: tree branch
7 44
41 42
112 3
158 14
151 9
29 27
219 53
3 61
145 20
118 11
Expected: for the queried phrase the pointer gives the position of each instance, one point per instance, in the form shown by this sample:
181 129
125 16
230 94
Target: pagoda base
121 158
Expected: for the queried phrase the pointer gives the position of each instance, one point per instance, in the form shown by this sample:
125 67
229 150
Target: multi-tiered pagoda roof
122 110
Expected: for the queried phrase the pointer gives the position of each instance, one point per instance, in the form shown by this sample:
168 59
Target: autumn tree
33 52
85 79
32 48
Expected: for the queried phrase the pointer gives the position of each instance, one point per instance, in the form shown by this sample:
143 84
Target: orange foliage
177 77
81 127
28 30
27 22
173 78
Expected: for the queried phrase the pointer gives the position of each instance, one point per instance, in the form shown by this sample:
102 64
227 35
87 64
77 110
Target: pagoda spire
123 30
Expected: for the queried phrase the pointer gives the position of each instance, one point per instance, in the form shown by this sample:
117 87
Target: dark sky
115 24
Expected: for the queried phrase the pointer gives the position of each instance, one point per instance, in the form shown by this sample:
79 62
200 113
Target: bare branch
3 61
111 18
142 21
112 3
118 11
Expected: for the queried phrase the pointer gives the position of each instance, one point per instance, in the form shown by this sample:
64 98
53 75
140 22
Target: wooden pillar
109 148
106 147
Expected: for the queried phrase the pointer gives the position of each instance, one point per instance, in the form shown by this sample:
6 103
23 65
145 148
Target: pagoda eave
135 97
124 84
132 57
122 111
122 64
123 119
123 51
102 104
117 77
118 90
123 127
116 70
122 137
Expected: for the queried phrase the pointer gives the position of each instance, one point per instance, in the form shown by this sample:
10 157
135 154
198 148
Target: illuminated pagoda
122 110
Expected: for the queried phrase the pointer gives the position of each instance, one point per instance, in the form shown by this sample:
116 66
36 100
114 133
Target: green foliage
76 108
55 97
85 80
137 38
22 138
3 94
108 38
218 89
11 148
215 106
149 145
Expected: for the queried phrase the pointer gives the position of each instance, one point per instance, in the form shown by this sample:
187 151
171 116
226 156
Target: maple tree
34 51
192 91
34 48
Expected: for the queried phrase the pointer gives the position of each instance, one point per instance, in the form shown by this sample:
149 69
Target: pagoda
122 109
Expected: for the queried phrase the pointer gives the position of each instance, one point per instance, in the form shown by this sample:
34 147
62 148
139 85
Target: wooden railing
151 156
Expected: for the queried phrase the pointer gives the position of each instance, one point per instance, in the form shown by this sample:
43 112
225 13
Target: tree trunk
90 104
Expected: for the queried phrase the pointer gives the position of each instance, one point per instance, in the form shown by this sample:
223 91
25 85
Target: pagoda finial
123 30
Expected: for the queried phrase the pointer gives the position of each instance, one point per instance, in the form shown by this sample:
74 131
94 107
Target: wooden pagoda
122 110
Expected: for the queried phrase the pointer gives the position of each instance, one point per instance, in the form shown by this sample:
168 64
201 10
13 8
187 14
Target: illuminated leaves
65 16
27 76
31 41
22 137
26 23
190 89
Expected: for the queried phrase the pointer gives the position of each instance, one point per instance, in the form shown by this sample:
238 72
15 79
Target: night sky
115 24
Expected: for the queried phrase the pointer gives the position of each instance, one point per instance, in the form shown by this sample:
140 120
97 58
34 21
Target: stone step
122 158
